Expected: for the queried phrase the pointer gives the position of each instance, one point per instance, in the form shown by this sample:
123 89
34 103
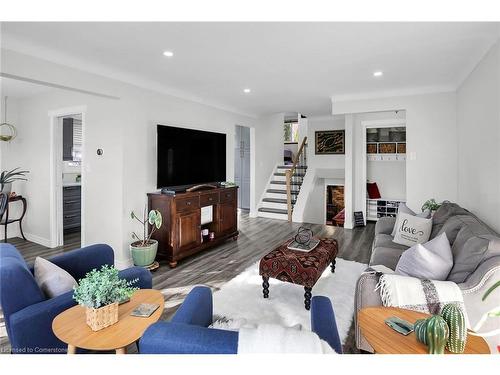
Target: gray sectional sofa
476 256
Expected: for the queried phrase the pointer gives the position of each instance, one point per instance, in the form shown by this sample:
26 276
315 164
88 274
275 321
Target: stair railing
291 176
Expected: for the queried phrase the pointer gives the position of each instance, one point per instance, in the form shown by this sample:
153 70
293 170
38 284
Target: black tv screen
189 157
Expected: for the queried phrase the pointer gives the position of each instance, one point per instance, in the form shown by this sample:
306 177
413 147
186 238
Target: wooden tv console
180 234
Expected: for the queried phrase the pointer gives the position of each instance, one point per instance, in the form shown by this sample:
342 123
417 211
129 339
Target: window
291 132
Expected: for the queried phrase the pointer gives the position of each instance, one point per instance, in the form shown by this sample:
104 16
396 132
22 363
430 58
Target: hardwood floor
30 250
219 265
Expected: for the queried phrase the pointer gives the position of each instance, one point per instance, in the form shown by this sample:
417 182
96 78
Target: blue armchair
28 313
187 332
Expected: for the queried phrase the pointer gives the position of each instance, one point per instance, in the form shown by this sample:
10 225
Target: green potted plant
431 205
8 177
144 248
100 292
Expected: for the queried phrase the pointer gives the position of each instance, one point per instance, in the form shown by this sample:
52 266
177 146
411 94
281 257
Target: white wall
315 124
268 146
118 181
431 166
390 177
6 148
478 121
310 206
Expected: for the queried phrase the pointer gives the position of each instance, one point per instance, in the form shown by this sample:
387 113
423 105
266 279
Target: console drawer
209 199
187 204
228 195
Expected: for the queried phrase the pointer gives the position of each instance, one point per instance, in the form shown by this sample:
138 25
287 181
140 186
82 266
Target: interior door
242 165
188 227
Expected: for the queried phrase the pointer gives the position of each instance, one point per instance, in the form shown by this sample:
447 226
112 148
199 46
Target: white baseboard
11 233
39 240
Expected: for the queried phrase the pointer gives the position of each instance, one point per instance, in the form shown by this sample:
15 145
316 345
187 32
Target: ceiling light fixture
168 53
378 73
246 91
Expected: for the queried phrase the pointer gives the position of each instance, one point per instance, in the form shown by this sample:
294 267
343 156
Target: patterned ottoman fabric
299 267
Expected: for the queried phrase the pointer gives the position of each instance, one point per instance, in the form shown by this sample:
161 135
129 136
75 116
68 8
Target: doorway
384 166
67 185
242 165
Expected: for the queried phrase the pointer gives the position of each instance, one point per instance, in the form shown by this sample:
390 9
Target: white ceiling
288 66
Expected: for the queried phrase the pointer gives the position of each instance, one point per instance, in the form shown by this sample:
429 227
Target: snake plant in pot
144 248
8 177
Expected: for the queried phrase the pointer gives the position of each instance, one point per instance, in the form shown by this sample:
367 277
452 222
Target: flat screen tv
189 157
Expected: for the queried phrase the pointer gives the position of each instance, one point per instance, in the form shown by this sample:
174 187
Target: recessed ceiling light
168 53
378 73
246 91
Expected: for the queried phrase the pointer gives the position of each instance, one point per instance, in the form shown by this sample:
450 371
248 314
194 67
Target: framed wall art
328 142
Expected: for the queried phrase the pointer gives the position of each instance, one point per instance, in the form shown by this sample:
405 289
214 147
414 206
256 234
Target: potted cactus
144 248
100 292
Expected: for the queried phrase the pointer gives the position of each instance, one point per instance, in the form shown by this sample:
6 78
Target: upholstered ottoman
298 267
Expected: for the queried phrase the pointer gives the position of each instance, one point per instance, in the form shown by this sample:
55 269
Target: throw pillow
404 209
432 260
372 190
411 230
52 279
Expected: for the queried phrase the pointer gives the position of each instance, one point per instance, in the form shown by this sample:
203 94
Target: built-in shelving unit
377 208
385 143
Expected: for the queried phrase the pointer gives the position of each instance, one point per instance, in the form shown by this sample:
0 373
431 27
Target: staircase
284 187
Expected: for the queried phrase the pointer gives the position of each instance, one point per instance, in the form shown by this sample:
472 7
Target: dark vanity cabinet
72 203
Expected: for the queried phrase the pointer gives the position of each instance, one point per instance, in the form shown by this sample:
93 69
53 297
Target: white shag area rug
241 298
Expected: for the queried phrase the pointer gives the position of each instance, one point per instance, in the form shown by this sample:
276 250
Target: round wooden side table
70 326
385 340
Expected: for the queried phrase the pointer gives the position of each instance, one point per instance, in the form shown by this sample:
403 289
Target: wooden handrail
288 175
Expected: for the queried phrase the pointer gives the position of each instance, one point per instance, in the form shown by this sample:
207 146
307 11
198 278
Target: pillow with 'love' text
412 230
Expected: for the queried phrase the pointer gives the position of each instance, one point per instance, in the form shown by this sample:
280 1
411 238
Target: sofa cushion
443 213
411 230
475 243
386 256
51 279
386 240
452 226
385 225
432 260
404 209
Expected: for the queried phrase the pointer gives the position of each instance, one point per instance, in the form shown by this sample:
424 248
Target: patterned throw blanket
410 293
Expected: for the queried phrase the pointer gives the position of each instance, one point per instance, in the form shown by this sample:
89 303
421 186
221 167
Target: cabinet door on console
227 217
188 230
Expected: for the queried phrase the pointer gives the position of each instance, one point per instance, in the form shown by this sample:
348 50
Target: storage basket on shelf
387 148
371 148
